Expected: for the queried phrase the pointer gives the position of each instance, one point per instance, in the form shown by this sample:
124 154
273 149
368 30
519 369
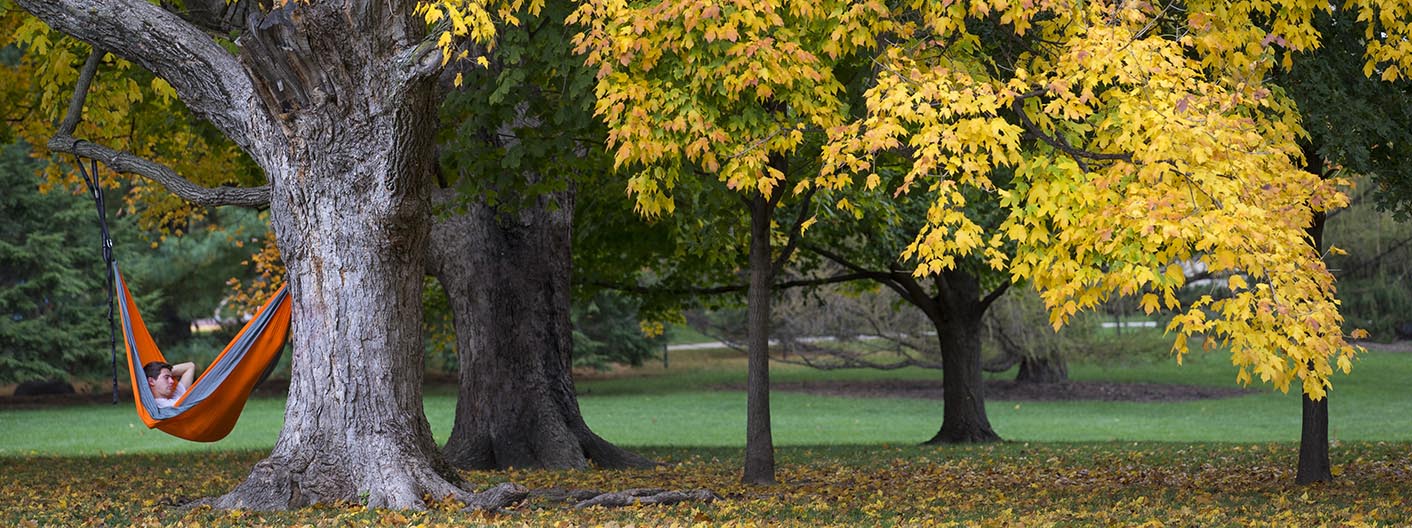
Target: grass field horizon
697 402
840 461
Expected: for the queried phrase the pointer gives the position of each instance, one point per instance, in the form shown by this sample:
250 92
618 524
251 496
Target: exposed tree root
583 498
497 497
647 496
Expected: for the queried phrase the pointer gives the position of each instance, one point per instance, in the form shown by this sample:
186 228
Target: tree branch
204 74
1363 263
886 279
993 295
128 163
845 361
85 79
1078 155
795 232
123 162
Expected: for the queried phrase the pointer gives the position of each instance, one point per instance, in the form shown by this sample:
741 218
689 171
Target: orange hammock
212 404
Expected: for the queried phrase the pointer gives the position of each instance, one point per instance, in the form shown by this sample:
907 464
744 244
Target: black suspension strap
90 179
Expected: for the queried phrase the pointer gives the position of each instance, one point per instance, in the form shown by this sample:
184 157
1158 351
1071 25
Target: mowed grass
698 402
1373 403
841 461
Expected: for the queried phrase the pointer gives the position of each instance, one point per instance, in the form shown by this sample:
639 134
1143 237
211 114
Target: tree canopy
1142 137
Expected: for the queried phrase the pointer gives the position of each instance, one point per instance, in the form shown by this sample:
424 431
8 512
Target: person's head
159 377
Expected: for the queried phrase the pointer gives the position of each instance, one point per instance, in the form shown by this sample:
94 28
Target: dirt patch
1006 390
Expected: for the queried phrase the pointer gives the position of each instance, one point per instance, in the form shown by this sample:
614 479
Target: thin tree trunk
958 327
507 277
759 443
1314 463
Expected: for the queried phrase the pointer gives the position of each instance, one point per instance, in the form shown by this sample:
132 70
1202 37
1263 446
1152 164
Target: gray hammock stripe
214 376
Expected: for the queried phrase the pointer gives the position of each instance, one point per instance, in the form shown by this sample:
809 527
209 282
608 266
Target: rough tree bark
507 276
334 100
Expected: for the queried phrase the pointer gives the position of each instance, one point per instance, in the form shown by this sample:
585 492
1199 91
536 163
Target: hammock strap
90 179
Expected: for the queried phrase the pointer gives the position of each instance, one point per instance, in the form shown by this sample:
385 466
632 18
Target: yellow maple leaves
1388 30
715 87
455 21
1120 149
1019 484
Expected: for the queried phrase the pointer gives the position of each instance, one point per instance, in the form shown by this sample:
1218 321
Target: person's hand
185 371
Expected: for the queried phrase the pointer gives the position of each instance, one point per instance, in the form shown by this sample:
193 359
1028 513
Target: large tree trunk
957 315
759 442
335 101
507 277
349 212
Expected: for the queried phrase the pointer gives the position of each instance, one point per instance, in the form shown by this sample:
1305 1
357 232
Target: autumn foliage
991 486
1128 144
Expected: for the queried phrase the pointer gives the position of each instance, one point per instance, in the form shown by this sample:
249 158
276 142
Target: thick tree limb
207 77
127 163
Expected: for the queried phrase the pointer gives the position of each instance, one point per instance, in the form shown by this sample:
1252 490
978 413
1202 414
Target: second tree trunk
507 277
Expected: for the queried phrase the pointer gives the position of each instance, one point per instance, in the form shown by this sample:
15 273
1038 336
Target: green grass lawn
842 461
689 404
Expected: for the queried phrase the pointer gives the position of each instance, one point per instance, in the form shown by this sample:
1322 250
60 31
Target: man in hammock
163 378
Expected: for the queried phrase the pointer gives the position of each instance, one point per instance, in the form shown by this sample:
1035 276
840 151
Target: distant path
698 346
1395 346
1009 390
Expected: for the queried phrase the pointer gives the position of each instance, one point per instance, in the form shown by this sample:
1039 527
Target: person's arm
187 373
